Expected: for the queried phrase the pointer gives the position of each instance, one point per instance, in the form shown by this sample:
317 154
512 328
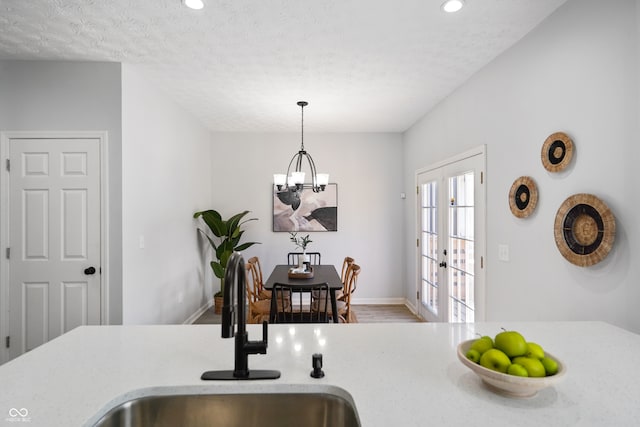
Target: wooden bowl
510 385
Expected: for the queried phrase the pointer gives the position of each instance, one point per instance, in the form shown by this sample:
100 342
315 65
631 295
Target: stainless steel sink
234 410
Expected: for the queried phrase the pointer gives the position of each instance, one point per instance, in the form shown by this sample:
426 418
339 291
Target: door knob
90 270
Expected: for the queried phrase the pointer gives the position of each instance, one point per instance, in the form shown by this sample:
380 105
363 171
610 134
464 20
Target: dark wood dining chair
292 304
314 258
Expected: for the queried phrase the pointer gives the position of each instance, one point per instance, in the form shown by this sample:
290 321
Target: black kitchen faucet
235 275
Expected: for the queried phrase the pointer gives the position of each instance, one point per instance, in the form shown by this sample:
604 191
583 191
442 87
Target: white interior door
451 217
54 238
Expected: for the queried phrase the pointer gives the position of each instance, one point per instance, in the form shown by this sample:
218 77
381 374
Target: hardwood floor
384 314
208 317
363 313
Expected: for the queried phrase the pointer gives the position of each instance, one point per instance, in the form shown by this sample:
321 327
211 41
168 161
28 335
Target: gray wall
167 175
72 96
368 170
577 72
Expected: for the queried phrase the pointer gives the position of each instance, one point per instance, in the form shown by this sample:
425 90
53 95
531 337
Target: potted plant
228 234
302 243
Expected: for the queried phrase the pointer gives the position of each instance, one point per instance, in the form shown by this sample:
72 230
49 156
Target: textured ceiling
241 65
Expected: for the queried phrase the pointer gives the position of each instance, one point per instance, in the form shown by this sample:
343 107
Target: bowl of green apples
510 365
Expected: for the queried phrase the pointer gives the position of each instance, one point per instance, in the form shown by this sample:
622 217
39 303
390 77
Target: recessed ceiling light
193 4
452 5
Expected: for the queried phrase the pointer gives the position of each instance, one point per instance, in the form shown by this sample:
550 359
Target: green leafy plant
300 242
228 234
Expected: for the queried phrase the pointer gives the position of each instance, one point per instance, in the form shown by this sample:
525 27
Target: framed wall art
305 210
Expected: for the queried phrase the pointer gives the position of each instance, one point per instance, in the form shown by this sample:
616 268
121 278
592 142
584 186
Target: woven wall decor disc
584 229
557 152
523 197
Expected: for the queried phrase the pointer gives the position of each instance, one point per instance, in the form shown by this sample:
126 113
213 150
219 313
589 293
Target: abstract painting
306 210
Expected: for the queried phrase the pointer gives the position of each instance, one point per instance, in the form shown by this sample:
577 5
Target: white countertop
397 374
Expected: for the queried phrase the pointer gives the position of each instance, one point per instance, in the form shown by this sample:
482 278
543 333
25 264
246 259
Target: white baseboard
411 307
198 313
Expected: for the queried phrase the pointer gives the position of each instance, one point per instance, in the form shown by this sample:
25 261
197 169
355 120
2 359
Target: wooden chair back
350 286
345 266
251 282
253 266
256 262
259 308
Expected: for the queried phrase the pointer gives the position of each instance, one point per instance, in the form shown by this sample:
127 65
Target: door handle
89 271
443 264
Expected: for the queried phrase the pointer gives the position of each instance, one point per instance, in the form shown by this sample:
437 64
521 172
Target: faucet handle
228 322
265 332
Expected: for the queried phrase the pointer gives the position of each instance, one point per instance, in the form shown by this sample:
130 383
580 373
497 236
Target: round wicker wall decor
523 197
584 229
557 152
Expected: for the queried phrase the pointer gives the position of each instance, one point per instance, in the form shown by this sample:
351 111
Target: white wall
577 72
72 96
368 171
166 175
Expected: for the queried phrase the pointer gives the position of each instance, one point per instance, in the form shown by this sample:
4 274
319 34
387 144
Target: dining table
321 274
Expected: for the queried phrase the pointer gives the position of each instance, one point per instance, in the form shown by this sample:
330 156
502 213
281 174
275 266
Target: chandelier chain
302 129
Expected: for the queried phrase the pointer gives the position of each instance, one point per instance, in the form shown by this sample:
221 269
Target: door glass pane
429 215
461 246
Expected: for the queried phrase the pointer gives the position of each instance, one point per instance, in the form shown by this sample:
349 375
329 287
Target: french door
451 241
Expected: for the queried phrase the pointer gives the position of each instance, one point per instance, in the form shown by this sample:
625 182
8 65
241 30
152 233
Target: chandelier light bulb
193 4
297 177
452 6
279 179
323 179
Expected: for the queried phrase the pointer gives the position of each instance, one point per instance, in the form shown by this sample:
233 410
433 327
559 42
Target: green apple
482 344
550 365
487 337
473 355
534 350
517 370
534 367
511 343
495 360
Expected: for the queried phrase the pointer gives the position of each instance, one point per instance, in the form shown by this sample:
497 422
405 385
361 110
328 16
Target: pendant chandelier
293 180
